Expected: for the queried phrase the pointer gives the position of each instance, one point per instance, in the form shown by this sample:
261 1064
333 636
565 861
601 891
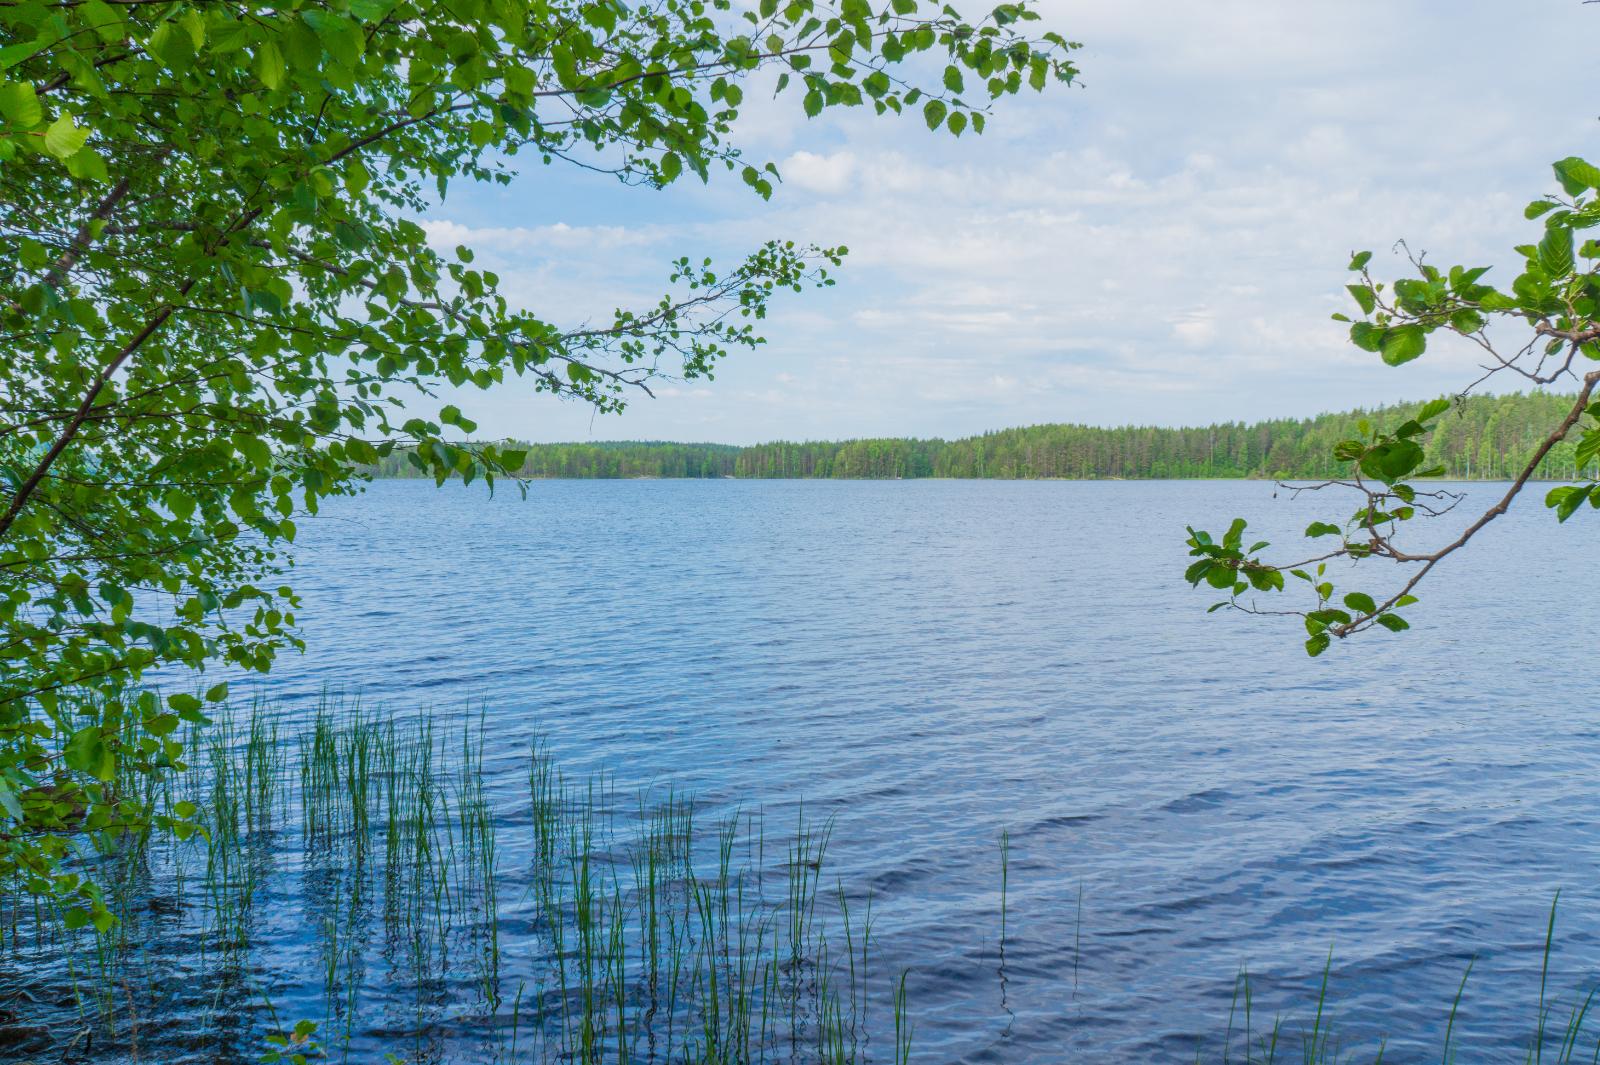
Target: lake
938 663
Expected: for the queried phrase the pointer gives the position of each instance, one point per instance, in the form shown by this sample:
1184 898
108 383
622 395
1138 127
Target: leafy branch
1552 311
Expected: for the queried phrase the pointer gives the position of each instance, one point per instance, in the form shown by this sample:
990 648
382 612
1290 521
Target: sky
1161 244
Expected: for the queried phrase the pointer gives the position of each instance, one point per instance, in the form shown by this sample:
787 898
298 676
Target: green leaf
1317 644
106 22
12 54
1588 447
1359 261
64 137
934 113
20 104
1367 336
1399 458
1364 296
1265 580
180 503
173 45
1402 344
87 752
1393 622
1577 175
184 703
1567 498
1360 602
269 65
1555 251
88 165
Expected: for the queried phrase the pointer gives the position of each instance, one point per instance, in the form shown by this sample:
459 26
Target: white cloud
827 174
529 241
1165 244
1196 329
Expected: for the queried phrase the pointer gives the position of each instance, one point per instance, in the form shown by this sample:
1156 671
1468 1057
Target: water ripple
934 662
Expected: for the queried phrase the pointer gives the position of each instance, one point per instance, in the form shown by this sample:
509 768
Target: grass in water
1005 880
375 876
357 874
1317 1044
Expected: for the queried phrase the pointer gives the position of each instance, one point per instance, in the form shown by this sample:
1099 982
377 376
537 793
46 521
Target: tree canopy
217 300
1542 327
1484 437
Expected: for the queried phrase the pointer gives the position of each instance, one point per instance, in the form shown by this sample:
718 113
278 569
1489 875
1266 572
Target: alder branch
1430 559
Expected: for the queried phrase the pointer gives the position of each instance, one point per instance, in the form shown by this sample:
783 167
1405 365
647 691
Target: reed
1318 1044
361 862
1005 880
369 871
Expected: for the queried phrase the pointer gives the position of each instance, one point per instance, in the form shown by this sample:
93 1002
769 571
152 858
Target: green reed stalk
1005 878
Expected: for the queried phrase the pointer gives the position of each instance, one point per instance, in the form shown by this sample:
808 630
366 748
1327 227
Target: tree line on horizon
1482 437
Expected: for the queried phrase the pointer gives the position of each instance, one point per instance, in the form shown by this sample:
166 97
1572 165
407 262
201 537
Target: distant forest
1484 437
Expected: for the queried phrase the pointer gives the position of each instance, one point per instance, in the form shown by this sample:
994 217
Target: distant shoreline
1059 480
1482 438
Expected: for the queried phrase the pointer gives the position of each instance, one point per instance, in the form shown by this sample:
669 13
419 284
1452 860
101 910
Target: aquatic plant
360 862
1244 1043
373 874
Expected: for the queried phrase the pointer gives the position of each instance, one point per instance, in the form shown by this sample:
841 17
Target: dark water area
938 663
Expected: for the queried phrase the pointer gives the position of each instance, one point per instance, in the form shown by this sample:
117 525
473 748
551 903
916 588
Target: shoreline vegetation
367 876
1481 438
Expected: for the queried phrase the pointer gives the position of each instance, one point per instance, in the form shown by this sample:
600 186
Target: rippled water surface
936 663
939 662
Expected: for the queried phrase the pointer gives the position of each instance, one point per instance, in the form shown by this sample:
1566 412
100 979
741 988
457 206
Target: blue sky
1160 245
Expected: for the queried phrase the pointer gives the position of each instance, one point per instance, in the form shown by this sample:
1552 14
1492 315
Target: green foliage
1553 309
216 300
1484 437
388 830
296 1047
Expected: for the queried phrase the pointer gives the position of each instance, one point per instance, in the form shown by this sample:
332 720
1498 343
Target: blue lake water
938 662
